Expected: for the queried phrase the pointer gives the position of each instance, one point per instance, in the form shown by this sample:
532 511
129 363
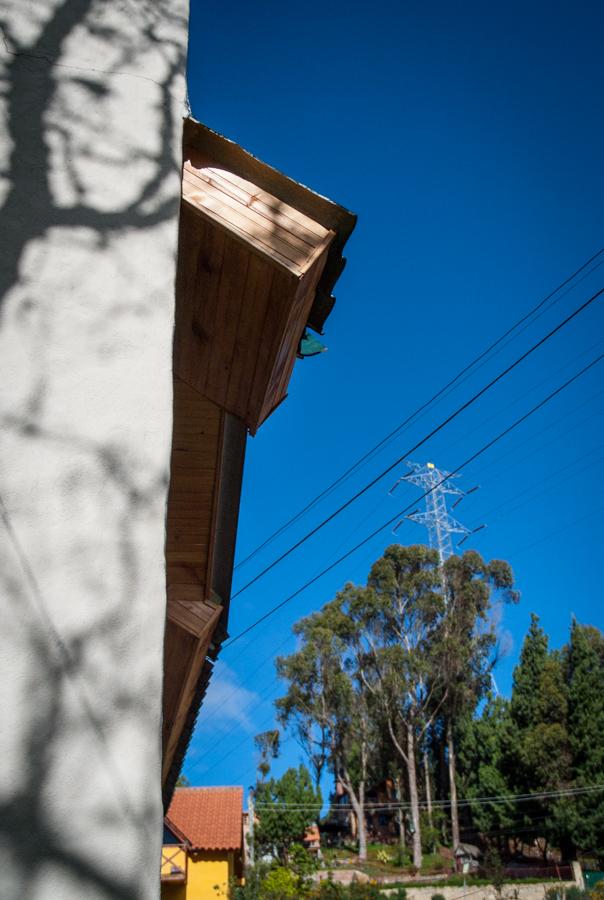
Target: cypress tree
586 729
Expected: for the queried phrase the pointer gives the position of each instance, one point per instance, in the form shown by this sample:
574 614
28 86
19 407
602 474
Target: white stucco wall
92 103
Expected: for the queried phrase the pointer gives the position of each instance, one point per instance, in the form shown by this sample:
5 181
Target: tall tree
527 675
585 661
395 617
466 645
539 755
326 705
484 743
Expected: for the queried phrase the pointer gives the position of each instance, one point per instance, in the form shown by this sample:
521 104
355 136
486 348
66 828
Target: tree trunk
452 786
358 805
428 788
414 799
400 816
442 791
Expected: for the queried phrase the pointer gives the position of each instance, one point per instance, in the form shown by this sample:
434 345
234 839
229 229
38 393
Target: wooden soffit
254 248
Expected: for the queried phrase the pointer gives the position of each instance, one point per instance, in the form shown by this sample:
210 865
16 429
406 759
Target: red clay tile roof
210 818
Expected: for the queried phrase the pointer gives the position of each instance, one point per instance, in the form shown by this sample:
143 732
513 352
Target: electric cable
407 421
402 512
470 402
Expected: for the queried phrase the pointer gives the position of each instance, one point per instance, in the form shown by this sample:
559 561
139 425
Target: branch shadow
66 133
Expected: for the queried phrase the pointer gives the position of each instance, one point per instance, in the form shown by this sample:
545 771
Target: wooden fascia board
178 614
187 691
176 832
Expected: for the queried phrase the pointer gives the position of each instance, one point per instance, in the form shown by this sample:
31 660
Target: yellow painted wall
206 872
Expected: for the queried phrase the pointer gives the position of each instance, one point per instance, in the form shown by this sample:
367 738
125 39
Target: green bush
438 897
494 870
575 893
571 893
330 890
302 861
280 882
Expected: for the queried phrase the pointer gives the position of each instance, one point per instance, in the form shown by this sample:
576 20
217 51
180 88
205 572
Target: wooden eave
330 215
258 257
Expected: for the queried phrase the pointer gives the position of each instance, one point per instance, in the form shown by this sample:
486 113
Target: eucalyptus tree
465 647
268 744
394 620
326 704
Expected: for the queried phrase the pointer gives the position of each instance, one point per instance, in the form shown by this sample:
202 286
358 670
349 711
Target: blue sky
469 140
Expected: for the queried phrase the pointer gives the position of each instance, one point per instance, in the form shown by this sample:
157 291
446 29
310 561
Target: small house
467 858
202 852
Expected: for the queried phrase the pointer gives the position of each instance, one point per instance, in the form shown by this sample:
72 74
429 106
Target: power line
407 421
265 694
402 512
205 719
473 399
465 801
264 697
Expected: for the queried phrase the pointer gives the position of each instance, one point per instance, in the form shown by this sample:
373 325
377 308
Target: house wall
208 871
90 153
208 878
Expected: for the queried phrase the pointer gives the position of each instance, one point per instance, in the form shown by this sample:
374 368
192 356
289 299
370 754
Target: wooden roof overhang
258 258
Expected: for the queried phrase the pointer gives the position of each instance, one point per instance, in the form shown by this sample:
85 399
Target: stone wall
93 98
510 892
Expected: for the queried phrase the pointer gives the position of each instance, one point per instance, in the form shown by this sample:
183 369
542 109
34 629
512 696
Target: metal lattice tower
436 484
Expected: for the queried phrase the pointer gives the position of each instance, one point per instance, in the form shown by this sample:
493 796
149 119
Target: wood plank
193 617
248 196
282 290
197 534
179 648
265 227
249 336
230 301
194 459
193 557
193 441
185 575
235 226
246 178
229 155
178 713
286 357
189 511
196 304
182 592
194 482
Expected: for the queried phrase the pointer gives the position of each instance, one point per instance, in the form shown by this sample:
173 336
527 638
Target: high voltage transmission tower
441 525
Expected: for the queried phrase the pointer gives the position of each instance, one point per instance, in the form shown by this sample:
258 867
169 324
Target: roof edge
326 212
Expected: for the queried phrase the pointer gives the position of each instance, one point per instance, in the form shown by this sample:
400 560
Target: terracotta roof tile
210 818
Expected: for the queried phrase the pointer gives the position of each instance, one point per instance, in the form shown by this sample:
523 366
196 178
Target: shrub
438 897
494 870
575 893
302 861
280 882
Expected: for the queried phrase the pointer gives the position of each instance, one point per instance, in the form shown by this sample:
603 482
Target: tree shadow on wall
55 135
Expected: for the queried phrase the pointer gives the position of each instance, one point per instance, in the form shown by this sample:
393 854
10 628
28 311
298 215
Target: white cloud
227 701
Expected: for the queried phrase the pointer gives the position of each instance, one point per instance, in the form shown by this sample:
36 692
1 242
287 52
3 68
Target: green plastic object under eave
310 346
